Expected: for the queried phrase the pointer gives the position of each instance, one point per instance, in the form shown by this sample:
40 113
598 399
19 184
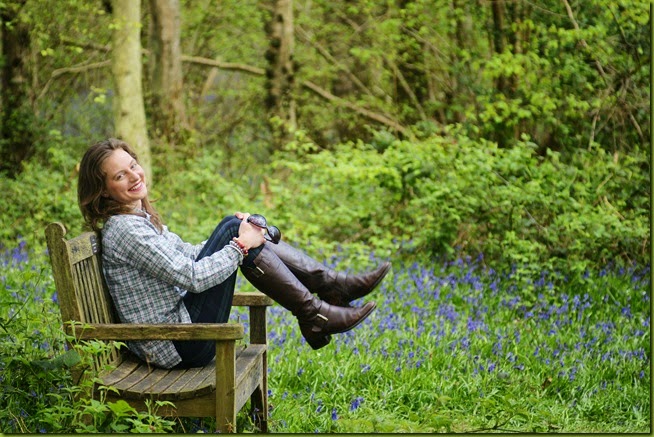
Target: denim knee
229 222
221 235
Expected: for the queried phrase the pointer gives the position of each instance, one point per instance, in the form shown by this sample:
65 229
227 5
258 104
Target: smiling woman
124 180
155 277
111 182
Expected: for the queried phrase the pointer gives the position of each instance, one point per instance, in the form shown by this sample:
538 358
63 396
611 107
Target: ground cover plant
455 345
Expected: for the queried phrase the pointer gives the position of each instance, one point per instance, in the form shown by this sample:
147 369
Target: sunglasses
273 234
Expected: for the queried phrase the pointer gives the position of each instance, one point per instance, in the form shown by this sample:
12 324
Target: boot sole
358 322
319 342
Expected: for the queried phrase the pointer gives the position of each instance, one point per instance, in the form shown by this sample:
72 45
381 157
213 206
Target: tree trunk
166 78
280 71
498 37
16 115
410 70
126 67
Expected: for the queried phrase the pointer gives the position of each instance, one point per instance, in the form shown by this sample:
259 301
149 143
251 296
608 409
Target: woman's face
124 179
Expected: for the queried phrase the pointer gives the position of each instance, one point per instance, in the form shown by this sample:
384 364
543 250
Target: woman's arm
134 241
190 250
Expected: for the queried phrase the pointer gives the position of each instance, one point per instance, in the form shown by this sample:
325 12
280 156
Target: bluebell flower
334 414
355 403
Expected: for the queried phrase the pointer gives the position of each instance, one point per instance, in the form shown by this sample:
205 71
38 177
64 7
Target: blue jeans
212 305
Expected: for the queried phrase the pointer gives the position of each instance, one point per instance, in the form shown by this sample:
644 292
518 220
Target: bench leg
260 408
225 386
259 399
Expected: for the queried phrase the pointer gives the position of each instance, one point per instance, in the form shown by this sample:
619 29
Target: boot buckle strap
320 322
256 271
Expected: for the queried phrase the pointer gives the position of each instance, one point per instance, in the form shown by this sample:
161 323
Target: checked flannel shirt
148 273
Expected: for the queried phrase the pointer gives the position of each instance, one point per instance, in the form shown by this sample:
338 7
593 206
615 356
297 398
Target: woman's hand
242 215
249 235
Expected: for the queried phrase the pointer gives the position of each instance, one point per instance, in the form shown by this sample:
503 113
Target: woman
155 277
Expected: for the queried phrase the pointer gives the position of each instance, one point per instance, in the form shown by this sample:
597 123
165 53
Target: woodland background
518 129
498 152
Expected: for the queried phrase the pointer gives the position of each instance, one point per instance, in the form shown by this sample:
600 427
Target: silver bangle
238 250
235 245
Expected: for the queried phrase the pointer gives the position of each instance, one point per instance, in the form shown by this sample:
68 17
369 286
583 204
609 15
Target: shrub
449 192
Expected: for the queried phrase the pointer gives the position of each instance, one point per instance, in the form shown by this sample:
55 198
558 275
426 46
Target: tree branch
406 87
583 42
387 121
256 71
359 110
224 65
325 54
71 70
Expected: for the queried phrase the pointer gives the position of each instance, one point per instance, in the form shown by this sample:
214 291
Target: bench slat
133 378
143 388
181 382
121 372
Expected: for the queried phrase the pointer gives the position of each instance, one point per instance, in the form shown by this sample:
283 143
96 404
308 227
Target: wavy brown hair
95 207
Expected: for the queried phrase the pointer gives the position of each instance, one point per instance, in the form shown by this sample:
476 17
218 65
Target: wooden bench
220 389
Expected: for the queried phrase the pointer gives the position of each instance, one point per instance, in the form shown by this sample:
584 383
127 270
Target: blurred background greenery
414 128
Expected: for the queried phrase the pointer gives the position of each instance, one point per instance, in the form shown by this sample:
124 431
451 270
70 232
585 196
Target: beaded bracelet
240 246
237 248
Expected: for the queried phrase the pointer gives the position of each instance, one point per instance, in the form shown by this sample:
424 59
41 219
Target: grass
453 346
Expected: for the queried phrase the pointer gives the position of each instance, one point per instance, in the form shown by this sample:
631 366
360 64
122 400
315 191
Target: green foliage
196 195
451 192
38 393
44 191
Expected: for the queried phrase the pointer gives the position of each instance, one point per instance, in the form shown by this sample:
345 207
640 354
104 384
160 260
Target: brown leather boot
317 319
335 288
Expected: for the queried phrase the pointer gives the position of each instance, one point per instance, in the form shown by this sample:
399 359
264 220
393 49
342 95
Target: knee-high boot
317 319
335 288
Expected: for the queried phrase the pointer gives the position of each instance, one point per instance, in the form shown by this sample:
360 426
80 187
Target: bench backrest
81 289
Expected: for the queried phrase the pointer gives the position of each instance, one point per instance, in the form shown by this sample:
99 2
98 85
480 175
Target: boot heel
319 341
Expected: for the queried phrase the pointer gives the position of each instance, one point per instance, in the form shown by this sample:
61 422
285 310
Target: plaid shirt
148 273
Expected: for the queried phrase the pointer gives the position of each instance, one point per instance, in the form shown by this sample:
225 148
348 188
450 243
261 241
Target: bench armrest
251 299
169 331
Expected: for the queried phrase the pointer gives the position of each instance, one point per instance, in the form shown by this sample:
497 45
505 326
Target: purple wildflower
355 403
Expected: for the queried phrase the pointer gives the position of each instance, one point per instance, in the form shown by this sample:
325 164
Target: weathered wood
225 387
220 389
169 331
259 336
251 300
